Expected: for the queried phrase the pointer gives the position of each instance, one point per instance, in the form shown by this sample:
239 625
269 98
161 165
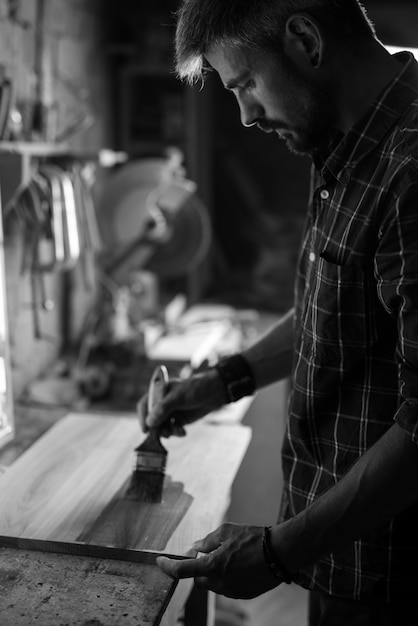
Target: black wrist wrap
235 372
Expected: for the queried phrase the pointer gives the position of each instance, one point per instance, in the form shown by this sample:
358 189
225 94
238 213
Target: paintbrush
150 456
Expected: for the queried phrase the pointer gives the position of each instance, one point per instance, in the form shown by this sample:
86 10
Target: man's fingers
185 568
204 583
142 413
162 411
209 543
156 418
178 430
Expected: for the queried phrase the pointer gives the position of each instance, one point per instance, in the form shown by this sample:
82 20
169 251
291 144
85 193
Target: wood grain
54 589
70 486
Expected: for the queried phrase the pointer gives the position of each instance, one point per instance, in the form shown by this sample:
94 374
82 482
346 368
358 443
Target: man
313 72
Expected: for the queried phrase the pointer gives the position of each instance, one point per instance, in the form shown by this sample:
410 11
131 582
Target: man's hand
232 564
185 402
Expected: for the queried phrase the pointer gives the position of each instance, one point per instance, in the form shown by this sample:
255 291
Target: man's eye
248 85
245 87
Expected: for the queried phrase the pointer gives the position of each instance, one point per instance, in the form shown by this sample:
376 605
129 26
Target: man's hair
258 24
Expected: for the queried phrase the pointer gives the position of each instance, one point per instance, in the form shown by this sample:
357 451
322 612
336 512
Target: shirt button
312 256
324 194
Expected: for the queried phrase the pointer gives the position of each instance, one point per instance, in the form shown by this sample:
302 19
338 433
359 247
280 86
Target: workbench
51 588
55 589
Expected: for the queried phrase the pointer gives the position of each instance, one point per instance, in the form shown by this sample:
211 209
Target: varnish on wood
67 493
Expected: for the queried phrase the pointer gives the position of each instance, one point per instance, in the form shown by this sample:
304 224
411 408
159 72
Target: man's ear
304 40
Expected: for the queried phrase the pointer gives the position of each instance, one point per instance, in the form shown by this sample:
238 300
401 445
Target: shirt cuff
407 418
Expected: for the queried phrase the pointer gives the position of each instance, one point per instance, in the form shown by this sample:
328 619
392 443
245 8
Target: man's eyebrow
234 82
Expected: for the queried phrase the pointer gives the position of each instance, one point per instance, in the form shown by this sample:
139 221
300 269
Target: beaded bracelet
235 372
272 562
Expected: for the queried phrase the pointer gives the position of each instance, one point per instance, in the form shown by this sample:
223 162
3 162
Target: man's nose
251 113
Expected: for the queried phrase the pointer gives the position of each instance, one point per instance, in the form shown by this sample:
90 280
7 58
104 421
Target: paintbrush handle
154 441
157 386
151 444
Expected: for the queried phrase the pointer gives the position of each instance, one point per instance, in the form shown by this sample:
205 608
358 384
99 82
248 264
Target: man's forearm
380 485
271 356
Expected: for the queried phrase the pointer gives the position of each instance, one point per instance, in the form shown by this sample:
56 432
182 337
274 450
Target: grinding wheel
134 198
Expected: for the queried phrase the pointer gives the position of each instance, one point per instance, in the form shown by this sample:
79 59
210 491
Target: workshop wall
60 59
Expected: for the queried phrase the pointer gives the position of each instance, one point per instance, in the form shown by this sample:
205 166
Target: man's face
277 96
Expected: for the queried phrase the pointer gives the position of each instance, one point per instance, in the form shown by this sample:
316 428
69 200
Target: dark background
256 191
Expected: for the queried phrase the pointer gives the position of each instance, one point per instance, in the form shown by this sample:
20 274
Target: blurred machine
152 218
154 229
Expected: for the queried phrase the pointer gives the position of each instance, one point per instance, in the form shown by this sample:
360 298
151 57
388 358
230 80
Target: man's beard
317 129
300 141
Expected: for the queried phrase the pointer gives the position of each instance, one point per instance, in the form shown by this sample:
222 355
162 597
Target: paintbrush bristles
147 488
147 479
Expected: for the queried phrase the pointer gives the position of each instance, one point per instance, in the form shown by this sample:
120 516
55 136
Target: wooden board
51 590
69 488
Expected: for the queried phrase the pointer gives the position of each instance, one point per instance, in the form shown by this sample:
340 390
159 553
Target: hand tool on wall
87 181
150 456
51 213
90 243
33 210
64 216
71 227
57 213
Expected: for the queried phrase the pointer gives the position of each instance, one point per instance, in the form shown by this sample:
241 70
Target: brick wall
75 88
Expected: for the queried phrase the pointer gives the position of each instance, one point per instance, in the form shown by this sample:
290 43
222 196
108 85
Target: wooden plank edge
147 557
144 557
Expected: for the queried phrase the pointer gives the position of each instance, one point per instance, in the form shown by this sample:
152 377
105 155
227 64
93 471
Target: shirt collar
381 116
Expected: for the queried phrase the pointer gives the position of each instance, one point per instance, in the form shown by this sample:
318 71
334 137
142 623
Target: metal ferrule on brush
151 456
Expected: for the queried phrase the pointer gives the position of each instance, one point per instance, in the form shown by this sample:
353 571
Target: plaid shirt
356 327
